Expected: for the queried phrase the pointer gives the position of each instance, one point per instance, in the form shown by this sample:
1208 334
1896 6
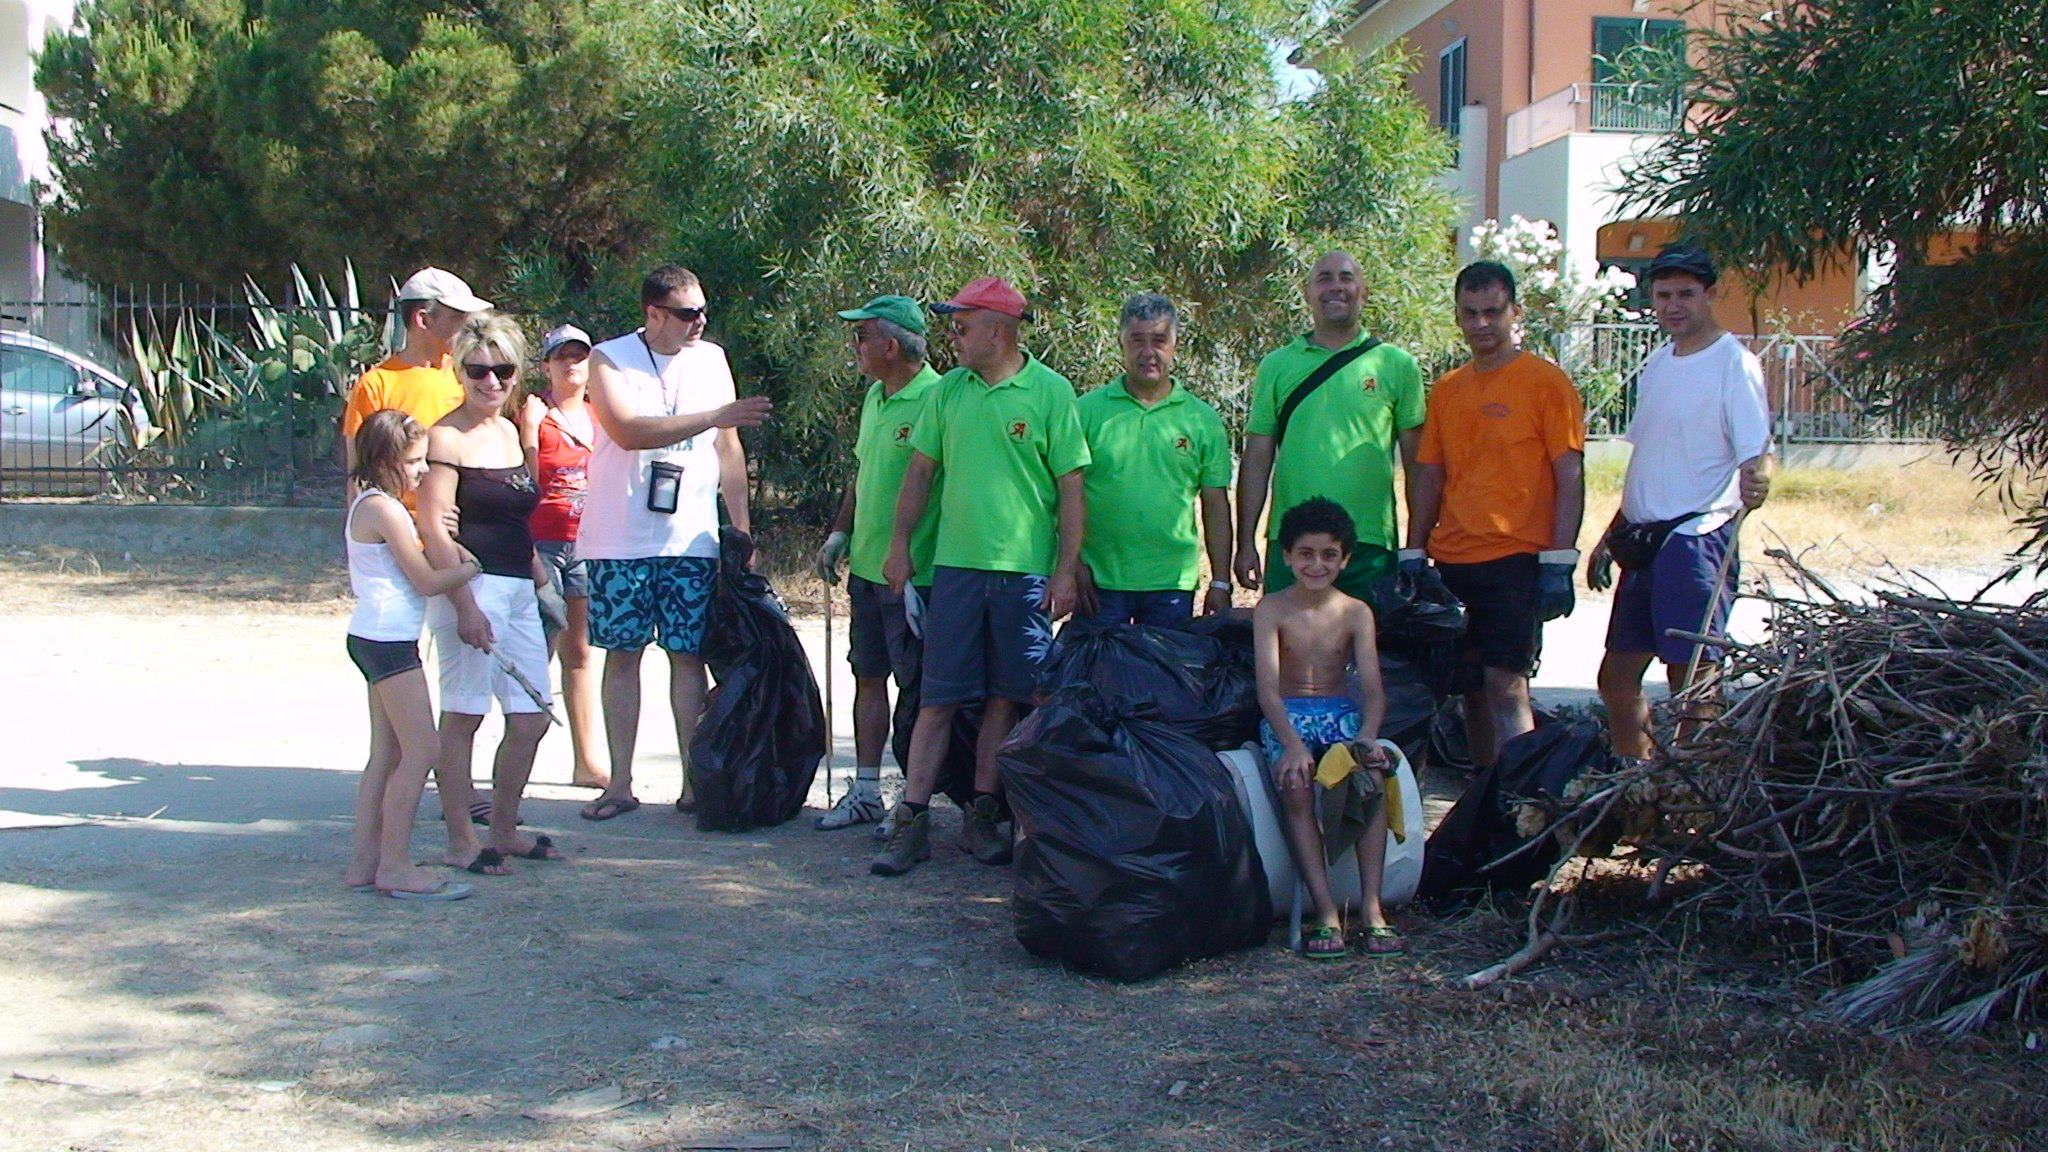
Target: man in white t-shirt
1702 435
666 446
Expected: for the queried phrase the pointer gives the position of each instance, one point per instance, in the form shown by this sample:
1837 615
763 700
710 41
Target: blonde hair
381 444
493 332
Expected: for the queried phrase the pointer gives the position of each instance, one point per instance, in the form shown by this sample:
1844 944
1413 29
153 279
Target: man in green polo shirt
1339 442
1155 452
1003 427
889 347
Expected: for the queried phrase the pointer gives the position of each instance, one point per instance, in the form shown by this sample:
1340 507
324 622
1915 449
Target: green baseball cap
901 311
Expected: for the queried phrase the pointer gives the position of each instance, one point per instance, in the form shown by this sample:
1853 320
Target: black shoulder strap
1335 364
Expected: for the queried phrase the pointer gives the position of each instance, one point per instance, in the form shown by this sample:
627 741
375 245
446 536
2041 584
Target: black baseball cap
1690 259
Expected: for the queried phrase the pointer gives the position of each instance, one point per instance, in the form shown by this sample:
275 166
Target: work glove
1415 578
829 555
913 610
1554 570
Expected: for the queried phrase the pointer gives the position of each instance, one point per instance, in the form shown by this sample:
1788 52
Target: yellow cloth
1338 765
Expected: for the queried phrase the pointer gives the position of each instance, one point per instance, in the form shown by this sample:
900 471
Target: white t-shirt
1697 419
616 523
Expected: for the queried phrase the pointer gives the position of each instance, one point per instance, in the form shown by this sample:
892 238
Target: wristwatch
1221 585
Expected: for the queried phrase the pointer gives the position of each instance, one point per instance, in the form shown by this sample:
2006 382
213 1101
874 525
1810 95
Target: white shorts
470 677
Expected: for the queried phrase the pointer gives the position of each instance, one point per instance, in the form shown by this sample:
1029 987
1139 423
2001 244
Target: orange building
1535 92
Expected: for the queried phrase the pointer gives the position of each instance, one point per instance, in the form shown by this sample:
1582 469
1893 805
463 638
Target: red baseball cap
991 293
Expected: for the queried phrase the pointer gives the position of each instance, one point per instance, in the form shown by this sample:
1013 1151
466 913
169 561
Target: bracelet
1220 585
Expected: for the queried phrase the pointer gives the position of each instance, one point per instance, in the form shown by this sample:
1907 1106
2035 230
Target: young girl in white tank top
392 579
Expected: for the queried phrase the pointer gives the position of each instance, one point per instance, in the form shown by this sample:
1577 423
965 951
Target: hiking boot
861 805
983 835
909 845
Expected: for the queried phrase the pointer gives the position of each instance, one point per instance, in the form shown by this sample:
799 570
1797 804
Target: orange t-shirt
424 393
1496 434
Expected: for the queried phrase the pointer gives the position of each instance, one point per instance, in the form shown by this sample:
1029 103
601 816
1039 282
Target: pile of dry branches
1878 784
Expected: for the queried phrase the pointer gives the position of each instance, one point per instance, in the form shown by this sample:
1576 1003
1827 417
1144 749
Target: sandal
1382 940
543 849
606 807
1324 943
488 862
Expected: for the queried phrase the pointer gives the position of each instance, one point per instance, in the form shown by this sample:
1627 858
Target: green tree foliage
1085 149
213 140
1832 128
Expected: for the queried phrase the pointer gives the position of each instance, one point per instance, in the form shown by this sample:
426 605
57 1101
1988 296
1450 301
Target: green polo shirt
883 452
1002 448
1146 468
1340 442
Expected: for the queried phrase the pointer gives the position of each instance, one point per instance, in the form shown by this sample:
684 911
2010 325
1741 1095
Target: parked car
64 419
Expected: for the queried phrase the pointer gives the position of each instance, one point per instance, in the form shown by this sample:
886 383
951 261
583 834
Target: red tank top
564 460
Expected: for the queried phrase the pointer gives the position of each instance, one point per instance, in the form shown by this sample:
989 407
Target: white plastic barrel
1404 856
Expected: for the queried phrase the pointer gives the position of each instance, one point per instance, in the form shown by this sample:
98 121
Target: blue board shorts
664 599
1322 722
1673 592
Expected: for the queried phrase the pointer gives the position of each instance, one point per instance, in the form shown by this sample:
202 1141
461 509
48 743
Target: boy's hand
1297 768
1368 754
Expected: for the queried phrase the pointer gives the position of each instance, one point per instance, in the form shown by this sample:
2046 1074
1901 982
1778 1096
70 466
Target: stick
1692 667
831 744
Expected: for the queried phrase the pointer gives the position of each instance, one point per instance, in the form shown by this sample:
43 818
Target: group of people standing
991 501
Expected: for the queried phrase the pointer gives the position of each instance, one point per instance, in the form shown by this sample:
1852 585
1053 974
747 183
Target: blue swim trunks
1320 721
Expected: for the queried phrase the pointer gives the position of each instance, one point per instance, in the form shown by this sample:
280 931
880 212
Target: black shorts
882 643
383 659
1503 621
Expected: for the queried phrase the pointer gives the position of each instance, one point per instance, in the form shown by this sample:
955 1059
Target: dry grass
1932 513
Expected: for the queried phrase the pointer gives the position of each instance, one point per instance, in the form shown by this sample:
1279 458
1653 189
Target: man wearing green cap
889 347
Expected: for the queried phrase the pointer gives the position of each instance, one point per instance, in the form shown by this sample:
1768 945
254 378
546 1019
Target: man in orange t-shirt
417 379
1499 494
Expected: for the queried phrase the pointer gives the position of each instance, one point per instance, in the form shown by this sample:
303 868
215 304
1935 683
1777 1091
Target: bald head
1335 292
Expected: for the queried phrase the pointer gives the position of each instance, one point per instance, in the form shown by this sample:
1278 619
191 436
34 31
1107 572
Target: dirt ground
180 967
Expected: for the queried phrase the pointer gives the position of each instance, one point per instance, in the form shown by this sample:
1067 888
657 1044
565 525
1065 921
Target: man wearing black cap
889 347
1701 437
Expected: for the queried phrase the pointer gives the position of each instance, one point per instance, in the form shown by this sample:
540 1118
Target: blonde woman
475 466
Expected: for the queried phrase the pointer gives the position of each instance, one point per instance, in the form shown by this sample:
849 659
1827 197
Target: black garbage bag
956 771
1420 624
1411 707
762 736
1199 683
1464 855
1137 854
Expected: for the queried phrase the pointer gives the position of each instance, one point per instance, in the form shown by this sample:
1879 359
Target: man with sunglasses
417 379
666 446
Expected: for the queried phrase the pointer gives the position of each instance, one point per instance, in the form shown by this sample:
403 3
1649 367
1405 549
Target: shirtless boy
1304 637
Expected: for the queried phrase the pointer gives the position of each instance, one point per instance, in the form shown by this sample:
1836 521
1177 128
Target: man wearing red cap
1005 429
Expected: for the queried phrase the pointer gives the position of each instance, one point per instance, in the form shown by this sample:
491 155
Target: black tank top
495 503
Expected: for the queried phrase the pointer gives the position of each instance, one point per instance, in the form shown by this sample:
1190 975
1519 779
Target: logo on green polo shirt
1369 384
1181 445
903 433
1019 431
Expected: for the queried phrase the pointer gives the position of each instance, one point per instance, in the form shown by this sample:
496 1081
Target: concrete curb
173 530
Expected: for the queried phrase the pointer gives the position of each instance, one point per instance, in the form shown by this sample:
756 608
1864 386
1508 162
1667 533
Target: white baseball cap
566 334
444 288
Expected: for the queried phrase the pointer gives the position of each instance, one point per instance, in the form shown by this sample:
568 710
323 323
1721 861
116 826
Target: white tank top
388 607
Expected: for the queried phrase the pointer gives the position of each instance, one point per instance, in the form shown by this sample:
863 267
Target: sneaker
887 827
859 806
982 833
909 845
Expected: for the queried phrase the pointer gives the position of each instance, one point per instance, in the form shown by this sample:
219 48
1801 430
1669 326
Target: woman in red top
555 430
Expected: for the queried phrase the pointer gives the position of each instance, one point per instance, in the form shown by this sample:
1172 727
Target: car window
27 370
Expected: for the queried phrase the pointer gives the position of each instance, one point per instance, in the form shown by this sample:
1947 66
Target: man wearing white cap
416 379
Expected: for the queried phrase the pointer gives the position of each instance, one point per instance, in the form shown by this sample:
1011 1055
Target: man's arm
1410 443
732 478
1568 511
631 430
910 505
1254 473
1216 540
842 521
1425 500
1059 591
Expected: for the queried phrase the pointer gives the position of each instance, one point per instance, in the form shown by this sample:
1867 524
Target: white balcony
1633 109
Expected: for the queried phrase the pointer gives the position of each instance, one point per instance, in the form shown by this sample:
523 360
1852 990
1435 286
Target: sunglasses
686 315
504 372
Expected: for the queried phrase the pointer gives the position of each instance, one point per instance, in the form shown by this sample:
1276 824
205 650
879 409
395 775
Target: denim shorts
383 659
1673 592
882 643
567 575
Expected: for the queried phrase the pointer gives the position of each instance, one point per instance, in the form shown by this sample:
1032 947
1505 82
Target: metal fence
1810 404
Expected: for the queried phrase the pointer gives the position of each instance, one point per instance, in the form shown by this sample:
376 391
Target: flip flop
606 807
1324 943
442 892
1382 940
543 849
